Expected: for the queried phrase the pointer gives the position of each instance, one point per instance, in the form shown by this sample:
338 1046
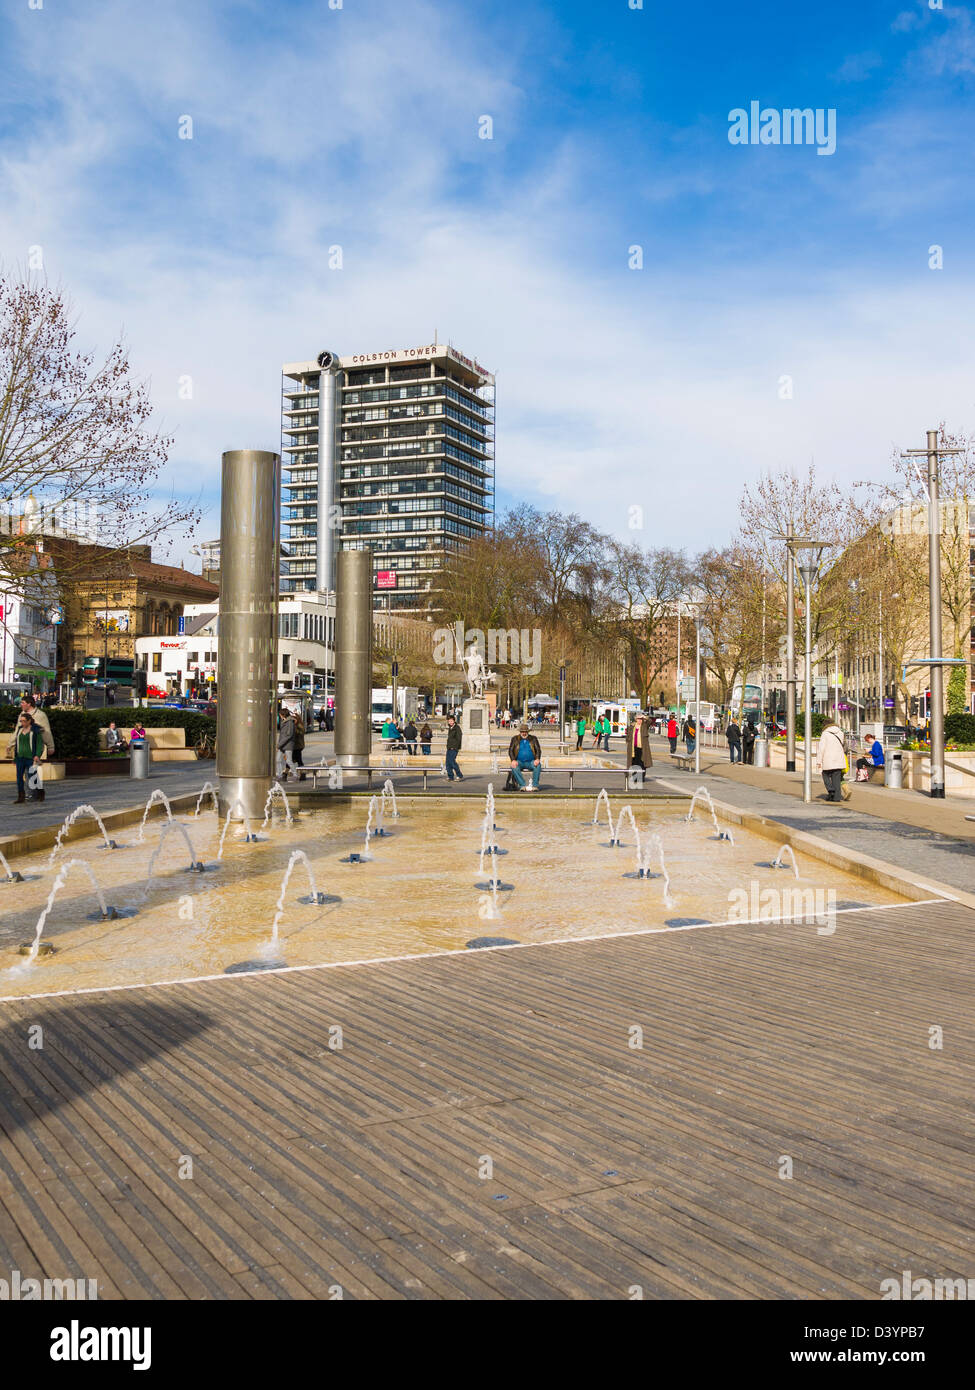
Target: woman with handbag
27 748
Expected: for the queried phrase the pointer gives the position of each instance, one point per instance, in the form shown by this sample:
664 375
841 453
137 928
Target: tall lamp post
936 713
808 572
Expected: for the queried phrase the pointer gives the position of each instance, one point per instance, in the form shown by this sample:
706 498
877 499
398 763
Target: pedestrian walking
831 761
26 747
454 740
733 735
286 739
426 738
298 747
638 752
672 733
748 742
409 735
580 731
329 720
690 734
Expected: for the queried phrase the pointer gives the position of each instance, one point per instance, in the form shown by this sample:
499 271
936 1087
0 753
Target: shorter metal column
353 658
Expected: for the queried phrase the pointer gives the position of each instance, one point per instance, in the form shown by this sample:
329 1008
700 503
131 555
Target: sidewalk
901 827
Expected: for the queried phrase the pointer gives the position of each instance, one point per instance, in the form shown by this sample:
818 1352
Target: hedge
75 731
960 728
197 725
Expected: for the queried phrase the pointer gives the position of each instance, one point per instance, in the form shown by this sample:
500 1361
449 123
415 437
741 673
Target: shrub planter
96 767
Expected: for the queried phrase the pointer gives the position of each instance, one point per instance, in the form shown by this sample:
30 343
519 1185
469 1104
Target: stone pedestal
475 723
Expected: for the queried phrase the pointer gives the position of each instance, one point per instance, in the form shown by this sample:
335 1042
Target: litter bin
895 770
760 752
139 760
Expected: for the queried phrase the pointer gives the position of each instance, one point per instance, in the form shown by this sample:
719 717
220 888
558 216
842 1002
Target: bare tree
75 436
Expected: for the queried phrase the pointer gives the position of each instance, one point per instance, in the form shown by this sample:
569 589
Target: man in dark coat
454 740
733 735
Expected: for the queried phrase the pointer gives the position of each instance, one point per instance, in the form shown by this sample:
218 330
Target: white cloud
614 387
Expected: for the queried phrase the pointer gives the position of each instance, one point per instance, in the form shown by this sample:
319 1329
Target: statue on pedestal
478 676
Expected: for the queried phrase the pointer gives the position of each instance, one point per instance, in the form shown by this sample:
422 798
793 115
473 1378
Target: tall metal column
937 715
353 658
790 656
328 421
250 549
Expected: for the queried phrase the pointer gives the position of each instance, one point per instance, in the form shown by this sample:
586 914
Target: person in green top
27 746
607 730
580 731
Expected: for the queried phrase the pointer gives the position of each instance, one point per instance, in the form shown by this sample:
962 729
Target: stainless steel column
248 627
937 711
328 420
353 658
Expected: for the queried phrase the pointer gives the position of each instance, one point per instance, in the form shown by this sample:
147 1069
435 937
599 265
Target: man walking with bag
831 760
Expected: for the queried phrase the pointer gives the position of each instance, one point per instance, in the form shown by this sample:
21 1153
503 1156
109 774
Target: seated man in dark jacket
525 754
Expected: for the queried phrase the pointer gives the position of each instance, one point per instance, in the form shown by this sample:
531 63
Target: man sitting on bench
525 756
873 762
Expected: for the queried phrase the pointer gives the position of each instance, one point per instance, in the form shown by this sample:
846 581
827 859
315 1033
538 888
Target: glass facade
413 467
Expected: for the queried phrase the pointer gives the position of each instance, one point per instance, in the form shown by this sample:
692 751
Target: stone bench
165 745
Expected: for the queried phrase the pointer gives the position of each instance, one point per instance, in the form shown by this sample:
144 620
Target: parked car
895 734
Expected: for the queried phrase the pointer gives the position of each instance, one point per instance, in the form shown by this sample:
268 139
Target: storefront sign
386 579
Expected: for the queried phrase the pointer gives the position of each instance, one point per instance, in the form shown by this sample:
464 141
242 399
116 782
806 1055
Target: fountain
108 914
207 787
277 790
248 834
604 796
615 834
12 876
195 865
157 795
297 856
375 808
390 791
654 842
777 861
703 792
69 821
487 842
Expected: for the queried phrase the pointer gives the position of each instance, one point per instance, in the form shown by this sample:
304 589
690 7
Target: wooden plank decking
613 1167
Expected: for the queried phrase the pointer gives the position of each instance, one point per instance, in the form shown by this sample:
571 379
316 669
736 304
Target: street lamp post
808 572
790 655
697 695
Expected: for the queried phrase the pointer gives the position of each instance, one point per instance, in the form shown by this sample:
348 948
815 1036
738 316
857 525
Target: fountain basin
418 895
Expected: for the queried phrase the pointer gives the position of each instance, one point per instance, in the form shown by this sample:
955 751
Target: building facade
188 662
388 451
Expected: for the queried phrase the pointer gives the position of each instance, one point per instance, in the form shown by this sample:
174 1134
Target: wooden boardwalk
361 1169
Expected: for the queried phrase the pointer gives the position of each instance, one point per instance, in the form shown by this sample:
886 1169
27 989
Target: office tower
388 451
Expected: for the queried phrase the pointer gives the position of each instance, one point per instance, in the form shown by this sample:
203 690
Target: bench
630 776
166 745
685 761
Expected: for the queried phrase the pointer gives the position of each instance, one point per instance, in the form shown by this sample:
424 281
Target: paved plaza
738 1111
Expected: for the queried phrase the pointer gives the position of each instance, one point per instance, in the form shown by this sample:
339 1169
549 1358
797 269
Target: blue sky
358 127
